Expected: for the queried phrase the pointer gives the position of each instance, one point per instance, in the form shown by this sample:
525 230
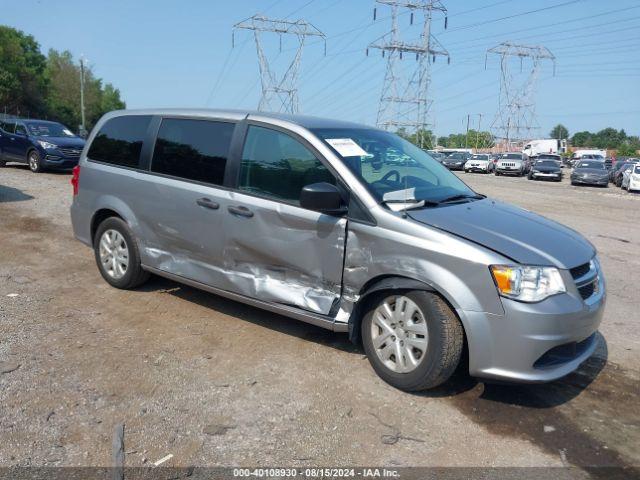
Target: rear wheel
35 162
413 340
117 254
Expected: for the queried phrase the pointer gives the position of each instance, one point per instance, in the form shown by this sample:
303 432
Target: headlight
46 145
527 284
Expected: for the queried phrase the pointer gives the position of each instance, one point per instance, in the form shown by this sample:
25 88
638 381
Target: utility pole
284 91
83 129
405 102
478 131
466 136
516 117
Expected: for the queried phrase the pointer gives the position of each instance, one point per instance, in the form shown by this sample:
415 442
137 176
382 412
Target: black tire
496 173
134 275
529 177
34 161
444 345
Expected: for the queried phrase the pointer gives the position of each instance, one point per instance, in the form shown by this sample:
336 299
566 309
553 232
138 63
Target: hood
516 233
65 142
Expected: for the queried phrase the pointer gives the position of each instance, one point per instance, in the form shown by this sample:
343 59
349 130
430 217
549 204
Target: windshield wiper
455 198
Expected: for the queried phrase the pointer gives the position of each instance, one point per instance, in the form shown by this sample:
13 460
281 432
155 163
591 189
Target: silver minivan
343 226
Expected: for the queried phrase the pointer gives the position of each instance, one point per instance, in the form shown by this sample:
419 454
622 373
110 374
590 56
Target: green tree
559 132
582 139
23 78
64 98
627 150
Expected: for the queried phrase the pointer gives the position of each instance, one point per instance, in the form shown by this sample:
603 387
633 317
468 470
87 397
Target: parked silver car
306 217
510 164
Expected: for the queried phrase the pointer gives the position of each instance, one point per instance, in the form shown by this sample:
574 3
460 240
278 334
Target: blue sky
162 53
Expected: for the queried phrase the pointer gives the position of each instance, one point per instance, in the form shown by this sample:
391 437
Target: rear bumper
534 343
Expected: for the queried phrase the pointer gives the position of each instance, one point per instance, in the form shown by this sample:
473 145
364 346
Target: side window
119 141
276 165
193 149
7 126
21 129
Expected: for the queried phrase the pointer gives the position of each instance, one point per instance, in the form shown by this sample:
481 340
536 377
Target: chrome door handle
208 203
241 211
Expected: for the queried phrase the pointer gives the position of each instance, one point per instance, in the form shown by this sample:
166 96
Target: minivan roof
304 121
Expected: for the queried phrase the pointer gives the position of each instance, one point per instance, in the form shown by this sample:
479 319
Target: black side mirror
322 197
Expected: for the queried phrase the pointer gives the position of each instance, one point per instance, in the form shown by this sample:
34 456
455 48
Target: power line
548 25
487 22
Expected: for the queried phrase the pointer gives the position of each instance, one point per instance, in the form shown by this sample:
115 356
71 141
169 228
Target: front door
19 143
275 250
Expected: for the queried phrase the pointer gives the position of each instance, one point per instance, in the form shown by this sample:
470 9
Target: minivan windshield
393 169
42 129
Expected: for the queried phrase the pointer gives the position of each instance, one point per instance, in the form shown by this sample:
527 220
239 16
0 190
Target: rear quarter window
119 141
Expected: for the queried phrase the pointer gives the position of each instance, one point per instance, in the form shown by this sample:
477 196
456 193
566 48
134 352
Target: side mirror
322 197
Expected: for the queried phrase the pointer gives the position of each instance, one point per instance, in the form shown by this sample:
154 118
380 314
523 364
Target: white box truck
537 147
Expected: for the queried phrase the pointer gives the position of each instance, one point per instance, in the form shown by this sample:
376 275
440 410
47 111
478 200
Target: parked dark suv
40 144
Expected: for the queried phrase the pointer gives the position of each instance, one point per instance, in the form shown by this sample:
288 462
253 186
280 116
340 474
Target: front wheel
117 254
35 163
413 340
497 173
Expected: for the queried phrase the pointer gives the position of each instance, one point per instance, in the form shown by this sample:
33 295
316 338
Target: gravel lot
214 382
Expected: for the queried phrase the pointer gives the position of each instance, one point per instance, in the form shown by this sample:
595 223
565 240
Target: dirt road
214 382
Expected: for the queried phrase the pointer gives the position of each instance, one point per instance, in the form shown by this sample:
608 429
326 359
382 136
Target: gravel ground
218 383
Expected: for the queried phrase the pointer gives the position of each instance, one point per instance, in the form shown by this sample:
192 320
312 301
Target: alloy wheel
399 334
34 161
114 254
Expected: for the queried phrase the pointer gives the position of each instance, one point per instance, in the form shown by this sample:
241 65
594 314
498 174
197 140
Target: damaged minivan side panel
284 254
419 253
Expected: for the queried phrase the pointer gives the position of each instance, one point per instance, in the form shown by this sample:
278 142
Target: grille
580 270
507 164
587 290
71 152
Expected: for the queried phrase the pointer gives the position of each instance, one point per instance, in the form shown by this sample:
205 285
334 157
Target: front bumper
634 184
534 342
590 181
509 171
56 159
476 168
454 166
546 176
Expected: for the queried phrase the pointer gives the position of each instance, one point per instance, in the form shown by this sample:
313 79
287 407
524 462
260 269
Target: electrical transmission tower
516 117
282 91
404 101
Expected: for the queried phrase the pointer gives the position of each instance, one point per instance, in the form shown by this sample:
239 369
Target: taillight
75 179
